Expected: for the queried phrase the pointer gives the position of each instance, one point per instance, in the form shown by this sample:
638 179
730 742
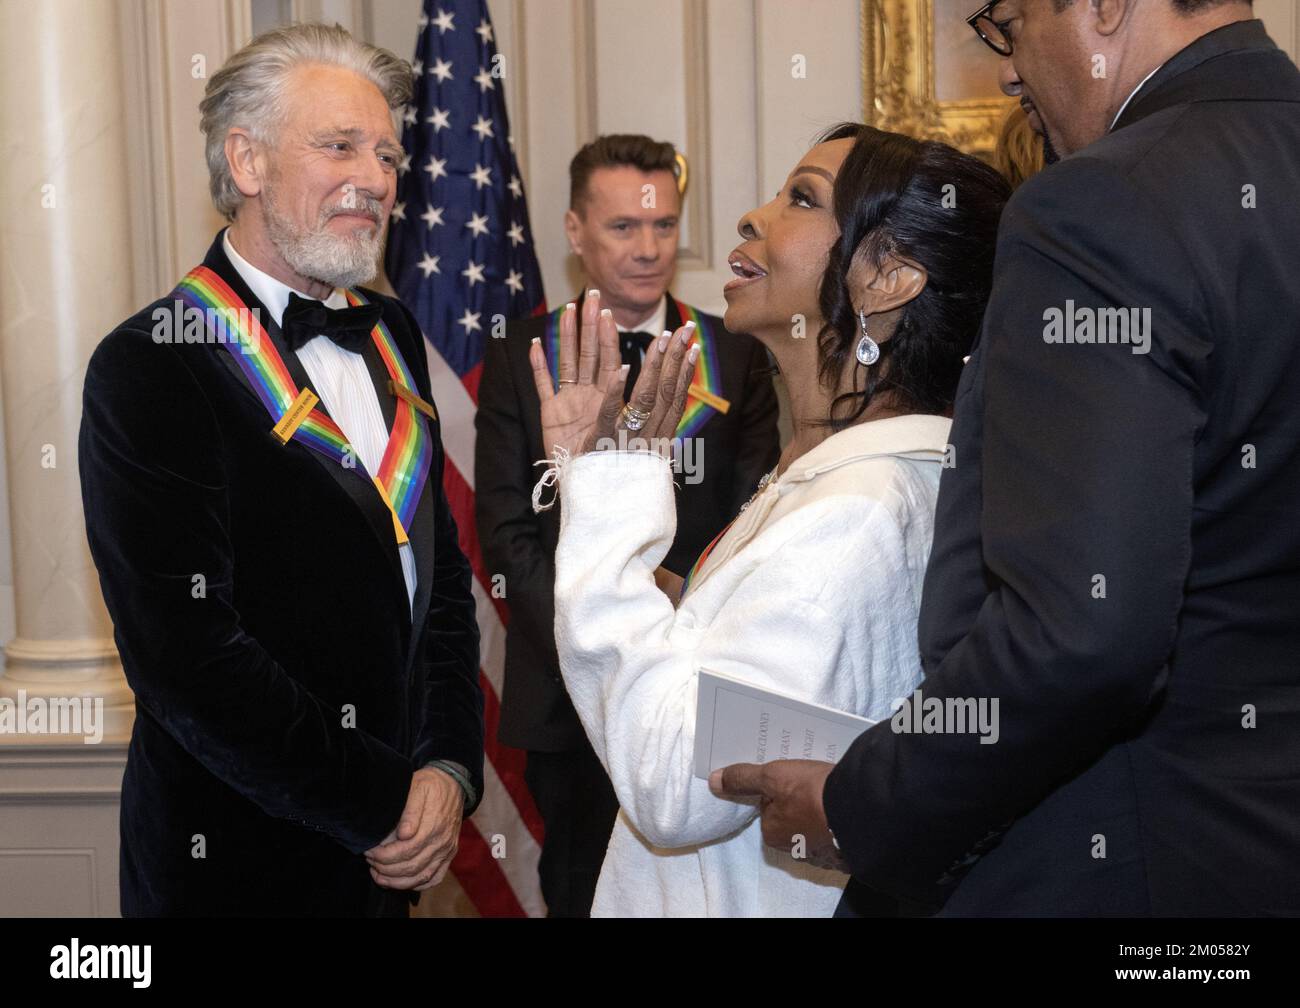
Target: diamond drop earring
868 351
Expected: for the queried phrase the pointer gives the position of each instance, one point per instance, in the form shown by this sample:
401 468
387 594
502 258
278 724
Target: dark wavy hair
889 198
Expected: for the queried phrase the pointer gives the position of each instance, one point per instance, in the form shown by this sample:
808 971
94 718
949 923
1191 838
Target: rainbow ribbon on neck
408 456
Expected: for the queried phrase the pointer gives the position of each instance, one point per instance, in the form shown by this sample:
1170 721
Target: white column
65 281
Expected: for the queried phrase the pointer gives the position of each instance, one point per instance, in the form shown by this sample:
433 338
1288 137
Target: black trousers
577 803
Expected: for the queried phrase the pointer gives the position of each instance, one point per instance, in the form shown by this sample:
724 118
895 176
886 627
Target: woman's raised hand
587 411
590 378
659 397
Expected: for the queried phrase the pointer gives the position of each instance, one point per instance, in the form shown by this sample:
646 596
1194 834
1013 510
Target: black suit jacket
1149 751
240 687
738 448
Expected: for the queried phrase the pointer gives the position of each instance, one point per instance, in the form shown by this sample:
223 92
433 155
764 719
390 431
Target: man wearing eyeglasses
1116 559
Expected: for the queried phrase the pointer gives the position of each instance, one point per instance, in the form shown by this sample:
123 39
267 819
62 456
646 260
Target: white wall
1282 19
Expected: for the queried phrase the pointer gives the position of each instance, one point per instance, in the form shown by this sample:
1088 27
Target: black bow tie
638 340
305 318
631 345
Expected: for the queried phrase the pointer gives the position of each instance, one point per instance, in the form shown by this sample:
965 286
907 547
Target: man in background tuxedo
622 223
1116 558
290 603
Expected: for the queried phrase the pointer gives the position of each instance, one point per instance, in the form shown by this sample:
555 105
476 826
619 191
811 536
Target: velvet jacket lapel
359 491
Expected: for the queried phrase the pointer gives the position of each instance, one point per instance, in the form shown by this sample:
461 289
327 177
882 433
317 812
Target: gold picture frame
898 81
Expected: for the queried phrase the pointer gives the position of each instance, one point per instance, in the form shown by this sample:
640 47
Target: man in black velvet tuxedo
1116 556
297 627
628 246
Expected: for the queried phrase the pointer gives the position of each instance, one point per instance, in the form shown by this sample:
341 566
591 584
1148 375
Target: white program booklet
736 722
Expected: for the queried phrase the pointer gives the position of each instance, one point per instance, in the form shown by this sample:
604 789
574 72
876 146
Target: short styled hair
616 150
248 90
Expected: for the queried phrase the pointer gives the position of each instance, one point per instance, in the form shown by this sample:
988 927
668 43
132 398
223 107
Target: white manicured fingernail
607 313
663 340
537 339
688 331
593 293
570 307
692 354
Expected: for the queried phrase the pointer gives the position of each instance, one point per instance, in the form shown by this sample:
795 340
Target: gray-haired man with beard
262 471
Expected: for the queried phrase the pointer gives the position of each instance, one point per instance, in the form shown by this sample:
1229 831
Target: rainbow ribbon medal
409 453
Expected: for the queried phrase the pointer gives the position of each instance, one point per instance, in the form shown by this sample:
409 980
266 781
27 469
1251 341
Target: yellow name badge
293 417
402 538
404 393
709 399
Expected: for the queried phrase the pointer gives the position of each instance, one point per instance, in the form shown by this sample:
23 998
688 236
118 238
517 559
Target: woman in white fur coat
867 286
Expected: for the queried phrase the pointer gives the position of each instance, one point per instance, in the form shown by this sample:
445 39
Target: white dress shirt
1132 94
341 379
652 323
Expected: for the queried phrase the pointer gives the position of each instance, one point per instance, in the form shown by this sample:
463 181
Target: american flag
460 255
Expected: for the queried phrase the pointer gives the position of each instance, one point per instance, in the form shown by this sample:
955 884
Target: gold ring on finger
633 418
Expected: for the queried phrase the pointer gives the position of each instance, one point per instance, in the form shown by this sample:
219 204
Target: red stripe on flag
481 877
478 873
471 380
509 762
461 500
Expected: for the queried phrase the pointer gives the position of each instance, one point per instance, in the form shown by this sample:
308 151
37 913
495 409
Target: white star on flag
432 215
482 176
441 70
515 281
485 32
483 128
516 189
429 264
478 224
436 168
473 272
443 21
409 116
470 320
516 233
441 119
483 79
399 211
